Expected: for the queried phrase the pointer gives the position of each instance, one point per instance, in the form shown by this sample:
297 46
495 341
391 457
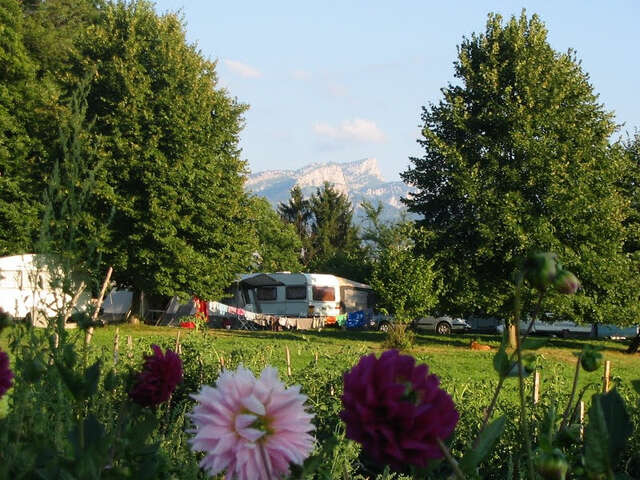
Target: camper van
300 295
25 290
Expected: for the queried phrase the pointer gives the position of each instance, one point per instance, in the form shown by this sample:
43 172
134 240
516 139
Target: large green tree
278 246
517 158
167 140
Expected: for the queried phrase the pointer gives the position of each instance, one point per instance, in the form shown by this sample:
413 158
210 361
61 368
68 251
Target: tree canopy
517 158
168 178
279 247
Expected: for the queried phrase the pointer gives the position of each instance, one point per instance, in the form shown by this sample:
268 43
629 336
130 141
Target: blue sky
344 80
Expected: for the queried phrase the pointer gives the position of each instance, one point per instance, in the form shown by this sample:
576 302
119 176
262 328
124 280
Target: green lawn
459 367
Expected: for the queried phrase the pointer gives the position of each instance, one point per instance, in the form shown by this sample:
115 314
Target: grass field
318 359
449 357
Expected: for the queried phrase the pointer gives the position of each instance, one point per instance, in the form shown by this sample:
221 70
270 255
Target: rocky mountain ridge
359 180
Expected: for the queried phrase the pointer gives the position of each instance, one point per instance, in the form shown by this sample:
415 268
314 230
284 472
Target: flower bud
552 465
540 269
566 282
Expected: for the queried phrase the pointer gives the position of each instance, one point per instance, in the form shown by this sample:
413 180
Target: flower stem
523 409
452 461
565 416
489 411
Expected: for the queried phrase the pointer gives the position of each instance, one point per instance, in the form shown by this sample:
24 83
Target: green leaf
618 423
483 445
501 359
91 377
596 440
547 428
636 385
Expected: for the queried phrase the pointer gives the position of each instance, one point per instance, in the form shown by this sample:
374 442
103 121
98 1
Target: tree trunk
137 309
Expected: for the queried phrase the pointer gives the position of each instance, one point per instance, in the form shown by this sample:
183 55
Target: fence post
607 376
581 413
536 387
94 317
178 348
129 346
286 349
116 346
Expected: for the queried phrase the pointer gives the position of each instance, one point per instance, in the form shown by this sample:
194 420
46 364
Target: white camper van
300 295
25 290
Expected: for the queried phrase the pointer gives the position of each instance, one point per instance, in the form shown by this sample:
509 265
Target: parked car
441 325
561 328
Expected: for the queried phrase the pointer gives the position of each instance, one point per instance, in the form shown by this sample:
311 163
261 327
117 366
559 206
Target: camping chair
245 324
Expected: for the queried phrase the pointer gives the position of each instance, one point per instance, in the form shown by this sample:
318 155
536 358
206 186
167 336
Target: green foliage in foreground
42 410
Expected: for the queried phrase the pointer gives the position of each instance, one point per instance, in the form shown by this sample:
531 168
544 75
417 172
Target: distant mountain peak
360 180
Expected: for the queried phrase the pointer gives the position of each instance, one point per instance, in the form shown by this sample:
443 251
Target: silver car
441 325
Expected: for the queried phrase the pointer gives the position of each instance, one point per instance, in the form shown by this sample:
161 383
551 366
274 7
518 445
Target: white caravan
300 295
25 290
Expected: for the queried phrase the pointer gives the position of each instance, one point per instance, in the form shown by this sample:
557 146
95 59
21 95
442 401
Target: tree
334 243
167 140
516 159
22 103
405 283
36 47
279 246
297 212
332 227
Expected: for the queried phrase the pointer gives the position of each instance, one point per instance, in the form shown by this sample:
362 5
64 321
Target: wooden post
103 290
581 413
536 387
316 356
607 376
74 300
222 361
129 346
116 346
286 349
177 342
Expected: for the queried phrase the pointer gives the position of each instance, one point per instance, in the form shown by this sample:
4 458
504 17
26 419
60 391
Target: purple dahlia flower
156 382
6 375
396 410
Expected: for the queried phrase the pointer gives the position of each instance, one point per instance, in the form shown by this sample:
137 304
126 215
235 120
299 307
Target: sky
338 81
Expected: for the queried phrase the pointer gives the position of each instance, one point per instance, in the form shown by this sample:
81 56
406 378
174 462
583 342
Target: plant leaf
483 446
619 425
596 440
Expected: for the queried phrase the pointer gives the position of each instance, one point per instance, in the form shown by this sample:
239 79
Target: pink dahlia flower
251 427
160 375
396 410
6 375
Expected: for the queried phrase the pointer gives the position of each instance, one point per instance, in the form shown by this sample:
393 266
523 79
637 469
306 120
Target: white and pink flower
252 428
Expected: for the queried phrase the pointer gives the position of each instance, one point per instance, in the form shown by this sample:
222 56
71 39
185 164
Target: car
562 328
441 325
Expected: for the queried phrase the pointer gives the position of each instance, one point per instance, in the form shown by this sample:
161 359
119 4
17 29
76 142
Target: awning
260 280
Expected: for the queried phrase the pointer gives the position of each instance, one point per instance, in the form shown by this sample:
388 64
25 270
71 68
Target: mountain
359 180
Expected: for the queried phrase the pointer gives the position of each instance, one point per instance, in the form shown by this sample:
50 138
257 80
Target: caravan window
324 294
267 293
296 293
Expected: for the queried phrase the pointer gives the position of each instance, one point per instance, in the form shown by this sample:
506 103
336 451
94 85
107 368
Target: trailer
26 290
300 295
